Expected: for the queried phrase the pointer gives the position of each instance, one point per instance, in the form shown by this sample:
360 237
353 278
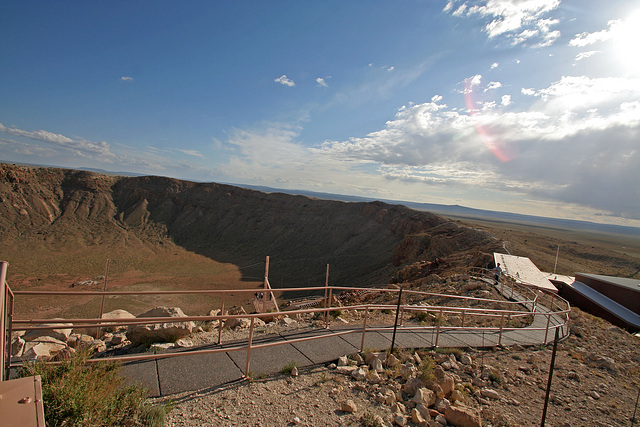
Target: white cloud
321 82
283 79
493 86
391 68
80 147
194 153
517 21
126 79
436 98
577 144
528 91
494 65
585 55
586 39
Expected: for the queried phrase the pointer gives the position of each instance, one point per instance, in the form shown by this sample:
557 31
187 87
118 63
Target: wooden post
3 316
104 289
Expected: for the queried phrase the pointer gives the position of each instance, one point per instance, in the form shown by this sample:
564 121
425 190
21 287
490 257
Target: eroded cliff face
362 242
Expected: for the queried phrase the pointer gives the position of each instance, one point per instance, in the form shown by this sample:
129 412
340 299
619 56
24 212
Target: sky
525 106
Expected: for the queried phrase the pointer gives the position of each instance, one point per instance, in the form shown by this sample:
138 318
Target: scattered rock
117 314
160 332
348 406
61 332
462 416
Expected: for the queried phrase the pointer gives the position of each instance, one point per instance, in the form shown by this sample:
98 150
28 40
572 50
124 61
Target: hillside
59 226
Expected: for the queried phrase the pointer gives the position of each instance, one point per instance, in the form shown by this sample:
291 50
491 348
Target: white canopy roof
524 271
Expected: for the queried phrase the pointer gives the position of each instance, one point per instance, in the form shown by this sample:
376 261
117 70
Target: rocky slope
49 213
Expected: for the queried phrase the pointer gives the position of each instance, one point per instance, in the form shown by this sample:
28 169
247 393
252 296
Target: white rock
61 332
117 314
160 332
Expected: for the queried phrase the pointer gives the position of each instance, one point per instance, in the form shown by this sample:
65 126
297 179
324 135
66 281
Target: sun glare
626 38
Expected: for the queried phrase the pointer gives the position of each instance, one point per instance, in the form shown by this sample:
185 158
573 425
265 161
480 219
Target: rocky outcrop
160 332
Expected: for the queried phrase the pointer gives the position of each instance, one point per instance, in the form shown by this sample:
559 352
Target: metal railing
489 315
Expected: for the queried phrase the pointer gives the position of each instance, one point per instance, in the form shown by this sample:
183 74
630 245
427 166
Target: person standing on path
498 272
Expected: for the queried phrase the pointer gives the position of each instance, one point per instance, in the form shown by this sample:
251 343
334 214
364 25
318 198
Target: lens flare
504 151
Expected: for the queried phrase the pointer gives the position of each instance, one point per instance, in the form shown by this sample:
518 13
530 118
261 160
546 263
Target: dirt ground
596 382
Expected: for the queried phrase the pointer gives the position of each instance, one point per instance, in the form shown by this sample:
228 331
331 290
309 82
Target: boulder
214 323
43 349
17 346
462 416
348 406
425 397
160 332
61 332
237 323
117 314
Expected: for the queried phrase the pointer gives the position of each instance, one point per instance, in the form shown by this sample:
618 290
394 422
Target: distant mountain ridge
465 212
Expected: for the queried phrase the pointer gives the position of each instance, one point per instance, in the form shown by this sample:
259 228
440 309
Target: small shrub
426 369
75 393
288 368
421 316
369 420
335 313
457 352
495 377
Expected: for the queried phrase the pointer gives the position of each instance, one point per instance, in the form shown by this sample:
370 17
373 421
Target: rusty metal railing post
501 328
104 289
3 316
9 332
249 345
221 321
438 327
328 307
546 332
463 315
364 329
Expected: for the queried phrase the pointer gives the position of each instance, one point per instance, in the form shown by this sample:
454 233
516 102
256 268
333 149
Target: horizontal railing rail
495 316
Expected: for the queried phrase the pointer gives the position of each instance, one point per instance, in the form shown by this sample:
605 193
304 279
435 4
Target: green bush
80 394
426 370
288 368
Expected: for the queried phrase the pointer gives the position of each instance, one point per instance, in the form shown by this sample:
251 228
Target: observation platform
524 271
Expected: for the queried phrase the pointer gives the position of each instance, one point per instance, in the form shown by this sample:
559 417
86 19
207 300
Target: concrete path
193 372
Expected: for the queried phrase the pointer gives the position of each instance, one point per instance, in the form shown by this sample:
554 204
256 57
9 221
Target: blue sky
521 106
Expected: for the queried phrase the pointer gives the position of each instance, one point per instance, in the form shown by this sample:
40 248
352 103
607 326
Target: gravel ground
596 383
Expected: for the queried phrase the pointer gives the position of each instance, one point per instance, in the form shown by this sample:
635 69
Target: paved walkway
193 372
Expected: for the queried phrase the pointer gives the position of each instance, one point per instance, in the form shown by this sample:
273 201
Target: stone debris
160 332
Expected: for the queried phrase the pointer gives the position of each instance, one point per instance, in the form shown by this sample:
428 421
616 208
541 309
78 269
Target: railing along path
541 312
